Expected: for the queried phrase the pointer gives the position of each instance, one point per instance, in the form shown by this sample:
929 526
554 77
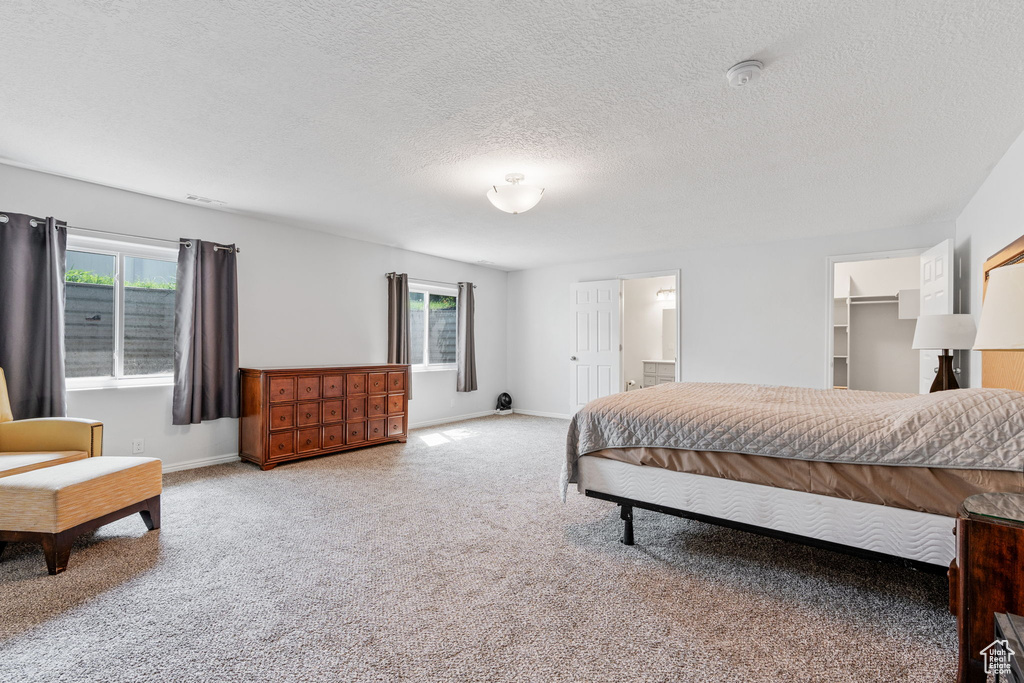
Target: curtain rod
434 282
188 243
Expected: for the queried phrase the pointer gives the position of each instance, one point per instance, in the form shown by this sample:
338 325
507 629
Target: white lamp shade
515 198
1002 315
950 331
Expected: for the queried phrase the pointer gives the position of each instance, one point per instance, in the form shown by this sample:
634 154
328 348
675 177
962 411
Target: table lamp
1002 315
944 332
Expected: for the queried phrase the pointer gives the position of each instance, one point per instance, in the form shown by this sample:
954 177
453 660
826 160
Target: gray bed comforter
964 429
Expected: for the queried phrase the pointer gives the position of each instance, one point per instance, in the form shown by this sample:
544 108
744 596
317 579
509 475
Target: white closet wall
871 342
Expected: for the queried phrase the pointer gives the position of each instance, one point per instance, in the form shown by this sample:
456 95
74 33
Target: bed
867 473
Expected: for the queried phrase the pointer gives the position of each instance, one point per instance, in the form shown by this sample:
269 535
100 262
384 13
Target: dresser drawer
396 425
396 381
355 383
334 435
377 406
396 404
282 444
355 408
334 411
309 440
334 386
376 429
377 383
282 389
309 387
282 417
355 432
307 414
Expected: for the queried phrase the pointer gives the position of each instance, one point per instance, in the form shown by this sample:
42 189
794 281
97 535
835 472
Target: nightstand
1010 627
988 573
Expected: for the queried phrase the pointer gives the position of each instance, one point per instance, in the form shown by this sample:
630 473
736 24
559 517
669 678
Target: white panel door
595 338
937 288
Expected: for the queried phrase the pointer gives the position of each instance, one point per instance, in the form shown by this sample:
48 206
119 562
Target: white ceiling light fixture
515 198
744 73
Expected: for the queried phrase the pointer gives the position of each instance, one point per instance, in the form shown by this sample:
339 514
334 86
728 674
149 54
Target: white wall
642 319
756 313
305 297
991 220
877 277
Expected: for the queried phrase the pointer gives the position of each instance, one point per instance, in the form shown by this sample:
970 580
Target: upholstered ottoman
54 505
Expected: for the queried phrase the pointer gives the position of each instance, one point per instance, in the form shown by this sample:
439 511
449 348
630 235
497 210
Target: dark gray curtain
466 359
398 320
32 264
205 333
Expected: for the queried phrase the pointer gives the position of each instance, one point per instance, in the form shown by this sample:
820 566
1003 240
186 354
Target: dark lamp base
945 378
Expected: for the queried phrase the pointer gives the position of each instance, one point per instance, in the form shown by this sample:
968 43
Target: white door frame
678 275
831 290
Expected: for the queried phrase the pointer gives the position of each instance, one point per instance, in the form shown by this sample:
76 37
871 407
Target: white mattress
904 533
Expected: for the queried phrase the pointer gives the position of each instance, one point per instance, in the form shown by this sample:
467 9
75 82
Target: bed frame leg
627 528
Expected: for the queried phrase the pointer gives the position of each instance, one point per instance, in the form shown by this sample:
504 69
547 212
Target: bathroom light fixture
515 198
666 295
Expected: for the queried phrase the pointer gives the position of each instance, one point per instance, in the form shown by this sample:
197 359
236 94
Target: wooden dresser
292 413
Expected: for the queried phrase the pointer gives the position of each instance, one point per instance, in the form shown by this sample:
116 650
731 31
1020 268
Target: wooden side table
988 573
1010 627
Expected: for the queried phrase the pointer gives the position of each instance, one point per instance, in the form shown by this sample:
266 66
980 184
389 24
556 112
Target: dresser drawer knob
309 388
332 386
309 414
309 441
281 392
332 437
282 418
280 446
376 384
375 430
334 412
354 433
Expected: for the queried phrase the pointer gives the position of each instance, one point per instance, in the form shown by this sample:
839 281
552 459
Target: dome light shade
515 198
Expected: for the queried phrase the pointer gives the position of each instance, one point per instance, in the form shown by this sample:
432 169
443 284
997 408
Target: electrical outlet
138 446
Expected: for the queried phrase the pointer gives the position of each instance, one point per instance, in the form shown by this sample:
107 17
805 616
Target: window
119 313
432 327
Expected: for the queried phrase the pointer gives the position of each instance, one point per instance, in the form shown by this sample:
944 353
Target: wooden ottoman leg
3 544
57 548
151 513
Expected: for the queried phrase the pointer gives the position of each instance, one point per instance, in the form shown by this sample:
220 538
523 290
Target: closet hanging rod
188 243
433 282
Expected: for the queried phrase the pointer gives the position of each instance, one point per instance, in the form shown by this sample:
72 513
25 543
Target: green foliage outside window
437 303
90 278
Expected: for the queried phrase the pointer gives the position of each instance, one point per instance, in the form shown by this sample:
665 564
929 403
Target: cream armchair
31 444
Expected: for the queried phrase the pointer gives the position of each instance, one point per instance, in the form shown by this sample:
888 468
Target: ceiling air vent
204 200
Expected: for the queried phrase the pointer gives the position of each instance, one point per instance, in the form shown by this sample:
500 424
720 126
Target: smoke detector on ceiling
744 73
204 200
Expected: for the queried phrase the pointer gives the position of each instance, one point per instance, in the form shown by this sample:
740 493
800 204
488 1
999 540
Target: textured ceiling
387 121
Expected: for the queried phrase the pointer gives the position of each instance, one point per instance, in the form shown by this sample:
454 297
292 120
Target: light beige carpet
452 559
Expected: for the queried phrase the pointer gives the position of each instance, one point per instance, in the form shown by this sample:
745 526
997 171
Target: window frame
119 249
439 290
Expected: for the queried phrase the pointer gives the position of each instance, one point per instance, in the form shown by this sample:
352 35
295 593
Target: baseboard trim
201 462
538 413
454 418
